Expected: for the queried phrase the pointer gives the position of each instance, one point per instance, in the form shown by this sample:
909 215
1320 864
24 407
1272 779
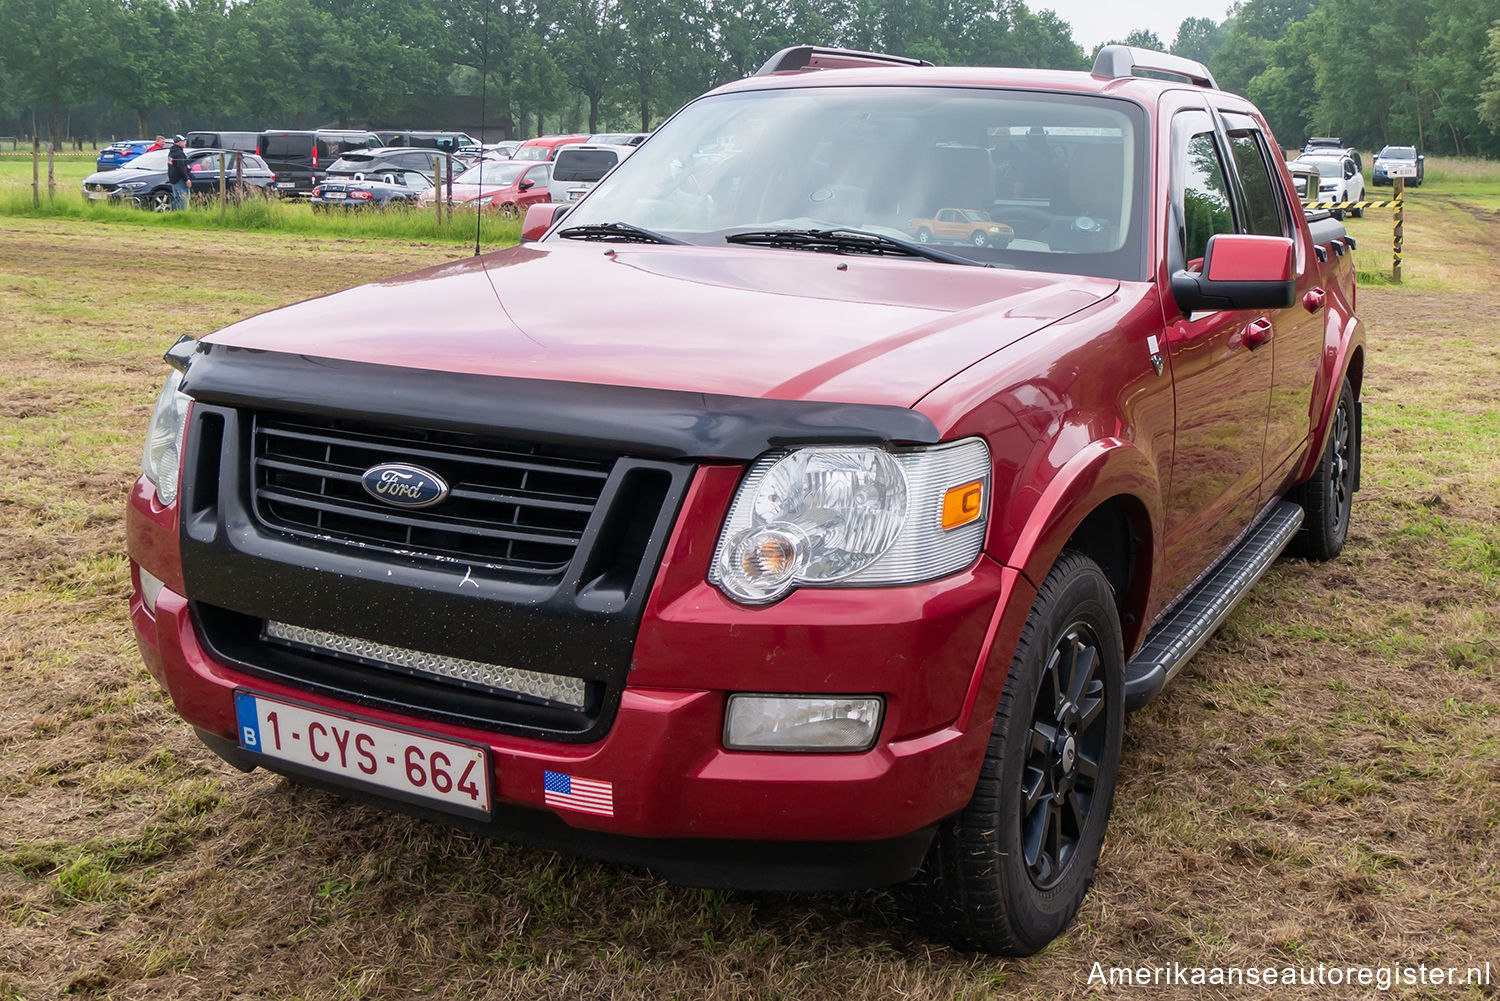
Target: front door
1221 375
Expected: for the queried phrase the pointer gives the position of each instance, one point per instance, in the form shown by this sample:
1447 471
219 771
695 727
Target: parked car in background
366 163
1397 156
144 179
448 142
576 169
118 154
505 186
544 147
1339 179
392 187
962 226
243 141
619 138
1333 144
299 156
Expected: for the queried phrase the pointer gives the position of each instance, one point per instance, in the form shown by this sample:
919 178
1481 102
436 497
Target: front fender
1102 470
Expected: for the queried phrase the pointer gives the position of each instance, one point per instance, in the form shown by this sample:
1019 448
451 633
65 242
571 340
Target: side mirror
1239 272
526 185
539 218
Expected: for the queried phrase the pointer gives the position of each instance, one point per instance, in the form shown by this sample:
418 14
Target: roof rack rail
1115 61
816 57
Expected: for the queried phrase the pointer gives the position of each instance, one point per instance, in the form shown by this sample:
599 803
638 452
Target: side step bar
1183 632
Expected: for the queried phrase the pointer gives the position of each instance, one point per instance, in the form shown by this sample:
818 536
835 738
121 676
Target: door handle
1257 333
1314 300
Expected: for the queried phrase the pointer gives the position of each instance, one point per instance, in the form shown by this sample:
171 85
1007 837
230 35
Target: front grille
514 507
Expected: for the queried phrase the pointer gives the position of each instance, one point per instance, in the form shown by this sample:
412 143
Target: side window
1264 215
1205 196
537 175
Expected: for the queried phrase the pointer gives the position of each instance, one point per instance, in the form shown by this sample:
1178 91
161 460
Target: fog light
150 589
801 723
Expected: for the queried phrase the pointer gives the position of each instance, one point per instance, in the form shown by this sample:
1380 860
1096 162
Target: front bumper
685 806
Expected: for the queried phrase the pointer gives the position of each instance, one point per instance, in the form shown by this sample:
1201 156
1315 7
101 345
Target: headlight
132 184
858 516
162 459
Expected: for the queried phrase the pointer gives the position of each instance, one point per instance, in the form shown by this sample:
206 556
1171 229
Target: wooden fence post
1396 238
36 172
222 200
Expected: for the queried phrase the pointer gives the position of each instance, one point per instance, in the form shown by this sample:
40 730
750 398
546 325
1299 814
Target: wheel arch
1105 503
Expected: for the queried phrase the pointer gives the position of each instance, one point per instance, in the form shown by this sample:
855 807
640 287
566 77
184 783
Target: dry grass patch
1322 785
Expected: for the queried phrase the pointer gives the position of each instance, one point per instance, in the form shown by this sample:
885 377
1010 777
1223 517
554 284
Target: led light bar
509 680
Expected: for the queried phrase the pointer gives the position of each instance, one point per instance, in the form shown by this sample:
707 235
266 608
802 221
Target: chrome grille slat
512 506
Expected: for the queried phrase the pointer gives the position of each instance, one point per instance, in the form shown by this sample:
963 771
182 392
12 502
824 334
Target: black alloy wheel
1069 737
1327 498
1010 870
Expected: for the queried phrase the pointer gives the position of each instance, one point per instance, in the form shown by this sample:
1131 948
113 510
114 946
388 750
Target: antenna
484 87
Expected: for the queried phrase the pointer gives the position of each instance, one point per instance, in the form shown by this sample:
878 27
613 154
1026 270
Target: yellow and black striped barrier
1396 203
1388 203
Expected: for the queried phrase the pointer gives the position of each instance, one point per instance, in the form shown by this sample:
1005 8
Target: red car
831 559
505 186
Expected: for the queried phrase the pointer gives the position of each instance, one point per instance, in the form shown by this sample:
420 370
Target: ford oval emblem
402 485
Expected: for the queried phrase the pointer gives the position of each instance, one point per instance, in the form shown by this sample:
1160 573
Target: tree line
1372 71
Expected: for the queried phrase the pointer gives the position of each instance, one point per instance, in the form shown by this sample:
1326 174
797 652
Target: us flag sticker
583 795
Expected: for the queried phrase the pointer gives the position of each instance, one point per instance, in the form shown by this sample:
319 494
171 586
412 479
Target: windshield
491 175
154 160
1398 153
1059 173
533 153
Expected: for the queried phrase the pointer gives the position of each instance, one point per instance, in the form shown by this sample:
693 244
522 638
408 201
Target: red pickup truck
831 559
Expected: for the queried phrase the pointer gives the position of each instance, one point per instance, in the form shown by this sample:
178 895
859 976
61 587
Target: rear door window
584 164
1265 211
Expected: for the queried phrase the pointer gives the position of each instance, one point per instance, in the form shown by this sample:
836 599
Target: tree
1199 38
52 50
145 46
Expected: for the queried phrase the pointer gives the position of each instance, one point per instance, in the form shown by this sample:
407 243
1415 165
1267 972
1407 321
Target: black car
392 187
376 163
242 141
300 156
1397 156
447 142
144 179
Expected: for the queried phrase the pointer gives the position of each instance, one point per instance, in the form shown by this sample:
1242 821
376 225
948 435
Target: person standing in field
177 172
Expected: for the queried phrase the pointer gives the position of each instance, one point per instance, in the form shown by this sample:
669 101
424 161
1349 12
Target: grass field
273 215
1321 785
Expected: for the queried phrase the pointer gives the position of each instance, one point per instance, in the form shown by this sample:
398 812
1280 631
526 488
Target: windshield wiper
847 241
622 231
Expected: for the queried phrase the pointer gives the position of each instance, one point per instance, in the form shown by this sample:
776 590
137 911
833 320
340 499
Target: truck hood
745 322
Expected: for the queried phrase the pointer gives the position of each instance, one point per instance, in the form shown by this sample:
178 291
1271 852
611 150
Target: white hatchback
577 168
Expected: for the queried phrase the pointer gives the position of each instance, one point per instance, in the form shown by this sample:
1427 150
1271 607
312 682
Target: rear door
1296 343
1221 377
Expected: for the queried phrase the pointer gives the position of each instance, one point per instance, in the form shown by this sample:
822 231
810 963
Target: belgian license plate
286 184
335 195
417 767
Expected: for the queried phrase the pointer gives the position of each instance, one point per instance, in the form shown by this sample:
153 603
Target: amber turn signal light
962 504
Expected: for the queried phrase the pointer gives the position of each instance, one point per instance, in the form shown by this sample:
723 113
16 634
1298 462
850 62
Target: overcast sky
1096 21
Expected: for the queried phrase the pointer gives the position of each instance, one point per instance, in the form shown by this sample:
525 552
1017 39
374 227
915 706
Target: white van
578 167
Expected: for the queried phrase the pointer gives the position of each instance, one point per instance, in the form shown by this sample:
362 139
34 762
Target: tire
996 879
509 211
1327 498
160 200
979 239
924 235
